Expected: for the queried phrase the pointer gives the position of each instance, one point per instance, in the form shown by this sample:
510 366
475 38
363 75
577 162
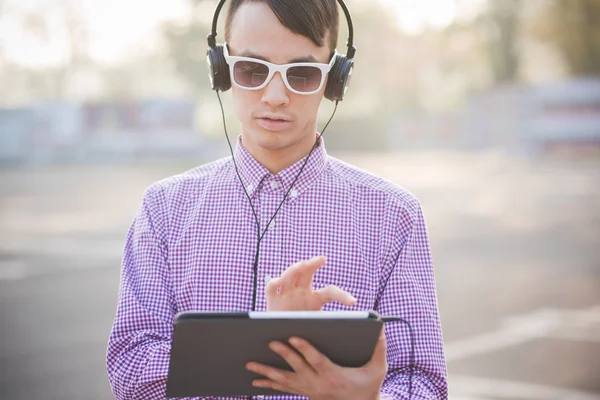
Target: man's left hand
316 377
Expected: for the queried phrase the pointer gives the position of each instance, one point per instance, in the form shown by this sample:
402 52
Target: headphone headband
212 36
339 75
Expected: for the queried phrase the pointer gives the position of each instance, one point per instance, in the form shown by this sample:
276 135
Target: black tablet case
209 351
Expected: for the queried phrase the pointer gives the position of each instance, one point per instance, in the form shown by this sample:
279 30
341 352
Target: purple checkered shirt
192 244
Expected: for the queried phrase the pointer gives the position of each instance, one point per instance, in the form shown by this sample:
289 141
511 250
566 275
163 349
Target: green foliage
573 26
500 24
187 46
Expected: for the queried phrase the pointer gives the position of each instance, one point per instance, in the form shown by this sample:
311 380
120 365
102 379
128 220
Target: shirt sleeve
408 291
140 341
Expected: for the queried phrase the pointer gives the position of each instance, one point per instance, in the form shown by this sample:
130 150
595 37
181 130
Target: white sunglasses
254 74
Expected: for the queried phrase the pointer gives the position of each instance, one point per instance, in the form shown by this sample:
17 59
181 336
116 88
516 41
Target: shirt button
250 187
267 278
274 184
272 224
293 193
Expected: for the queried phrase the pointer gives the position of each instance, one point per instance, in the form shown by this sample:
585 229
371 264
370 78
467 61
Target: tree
187 44
573 27
500 26
43 82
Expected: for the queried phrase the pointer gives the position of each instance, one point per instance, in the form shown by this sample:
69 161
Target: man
342 239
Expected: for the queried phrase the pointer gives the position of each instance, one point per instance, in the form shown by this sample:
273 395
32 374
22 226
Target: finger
293 359
273 374
334 293
379 357
290 275
319 362
301 273
309 269
271 287
265 383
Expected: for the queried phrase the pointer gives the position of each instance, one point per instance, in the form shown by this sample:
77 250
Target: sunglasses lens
250 74
304 79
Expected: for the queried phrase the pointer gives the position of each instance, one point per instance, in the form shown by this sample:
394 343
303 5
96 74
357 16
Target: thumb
333 293
379 357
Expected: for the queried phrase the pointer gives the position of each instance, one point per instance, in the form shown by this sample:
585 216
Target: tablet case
209 351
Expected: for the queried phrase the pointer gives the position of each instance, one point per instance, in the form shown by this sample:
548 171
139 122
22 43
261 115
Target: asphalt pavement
516 245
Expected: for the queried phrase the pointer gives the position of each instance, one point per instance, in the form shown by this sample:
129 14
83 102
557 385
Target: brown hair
309 18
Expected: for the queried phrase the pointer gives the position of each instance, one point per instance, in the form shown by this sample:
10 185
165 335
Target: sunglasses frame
273 68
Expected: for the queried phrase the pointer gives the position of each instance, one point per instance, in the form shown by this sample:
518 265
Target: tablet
209 350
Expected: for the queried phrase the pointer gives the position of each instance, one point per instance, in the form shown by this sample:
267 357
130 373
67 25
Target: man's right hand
293 290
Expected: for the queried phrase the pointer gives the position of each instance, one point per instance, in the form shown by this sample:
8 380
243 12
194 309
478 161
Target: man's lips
273 123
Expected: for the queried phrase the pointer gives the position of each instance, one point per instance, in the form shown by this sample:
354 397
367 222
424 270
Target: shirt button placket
269 249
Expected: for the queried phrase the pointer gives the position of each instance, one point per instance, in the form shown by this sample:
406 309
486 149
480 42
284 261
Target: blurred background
487 110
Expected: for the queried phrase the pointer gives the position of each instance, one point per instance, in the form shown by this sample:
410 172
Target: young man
342 239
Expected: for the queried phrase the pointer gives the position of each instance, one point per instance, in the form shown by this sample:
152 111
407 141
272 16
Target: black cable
412 349
261 236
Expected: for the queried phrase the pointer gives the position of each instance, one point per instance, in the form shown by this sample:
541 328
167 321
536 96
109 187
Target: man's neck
276 161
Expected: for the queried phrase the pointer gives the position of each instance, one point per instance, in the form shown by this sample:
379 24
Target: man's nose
276 93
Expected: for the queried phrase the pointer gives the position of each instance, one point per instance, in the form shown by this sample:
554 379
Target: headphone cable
259 235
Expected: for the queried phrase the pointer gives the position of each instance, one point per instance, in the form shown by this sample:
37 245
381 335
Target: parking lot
516 244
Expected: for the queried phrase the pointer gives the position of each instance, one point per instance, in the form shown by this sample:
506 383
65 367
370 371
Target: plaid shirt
192 244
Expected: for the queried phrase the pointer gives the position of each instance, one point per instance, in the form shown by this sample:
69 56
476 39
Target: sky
414 15
116 29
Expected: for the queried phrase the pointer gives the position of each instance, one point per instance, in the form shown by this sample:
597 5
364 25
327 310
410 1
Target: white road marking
545 323
592 337
14 270
464 387
462 397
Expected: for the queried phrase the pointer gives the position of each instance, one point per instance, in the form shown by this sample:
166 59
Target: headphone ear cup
339 78
218 70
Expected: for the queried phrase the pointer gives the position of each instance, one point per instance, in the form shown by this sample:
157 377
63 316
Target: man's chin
269 140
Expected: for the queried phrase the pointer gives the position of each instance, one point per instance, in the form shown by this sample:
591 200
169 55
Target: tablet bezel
210 349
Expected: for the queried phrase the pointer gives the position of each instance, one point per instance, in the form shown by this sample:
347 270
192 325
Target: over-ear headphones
339 76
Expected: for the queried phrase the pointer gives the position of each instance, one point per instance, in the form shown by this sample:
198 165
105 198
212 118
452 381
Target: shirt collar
253 173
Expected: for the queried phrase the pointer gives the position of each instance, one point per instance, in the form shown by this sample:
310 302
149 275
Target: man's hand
293 290
317 378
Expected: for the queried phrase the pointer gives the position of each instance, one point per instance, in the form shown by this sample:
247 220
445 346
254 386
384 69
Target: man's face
256 31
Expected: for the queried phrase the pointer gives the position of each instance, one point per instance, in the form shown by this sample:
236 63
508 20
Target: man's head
280 32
